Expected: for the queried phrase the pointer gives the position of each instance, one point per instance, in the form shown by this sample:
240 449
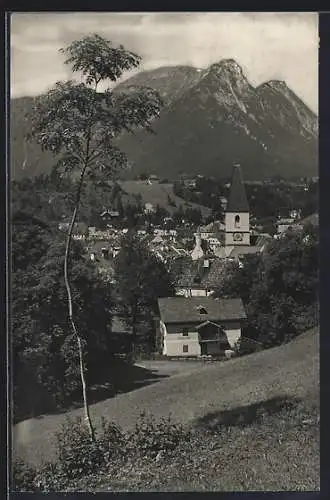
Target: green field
157 193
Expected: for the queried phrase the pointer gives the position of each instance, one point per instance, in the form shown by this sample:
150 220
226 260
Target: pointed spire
237 200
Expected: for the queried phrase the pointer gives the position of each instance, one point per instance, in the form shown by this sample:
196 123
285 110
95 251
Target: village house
80 231
283 224
149 208
153 178
197 278
213 230
199 326
63 226
223 202
165 232
190 183
295 214
97 234
109 214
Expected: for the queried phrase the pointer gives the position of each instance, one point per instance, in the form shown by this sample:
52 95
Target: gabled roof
239 251
237 200
182 310
192 274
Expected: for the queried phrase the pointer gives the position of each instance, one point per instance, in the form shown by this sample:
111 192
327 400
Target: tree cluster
279 288
46 374
141 278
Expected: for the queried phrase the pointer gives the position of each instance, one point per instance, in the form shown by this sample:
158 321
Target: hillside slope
291 370
170 81
160 194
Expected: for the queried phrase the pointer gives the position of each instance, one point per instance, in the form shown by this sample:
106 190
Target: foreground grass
275 452
288 371
272 445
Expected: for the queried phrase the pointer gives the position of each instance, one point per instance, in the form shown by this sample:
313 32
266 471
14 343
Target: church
237 233
237 216
200 274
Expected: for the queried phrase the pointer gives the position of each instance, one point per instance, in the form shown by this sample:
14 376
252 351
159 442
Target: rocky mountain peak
275 84
227 65
227 75
211 117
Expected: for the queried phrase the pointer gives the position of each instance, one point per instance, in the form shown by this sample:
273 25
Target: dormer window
237 221
202 310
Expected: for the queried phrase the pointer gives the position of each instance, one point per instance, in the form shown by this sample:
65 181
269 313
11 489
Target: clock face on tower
238 237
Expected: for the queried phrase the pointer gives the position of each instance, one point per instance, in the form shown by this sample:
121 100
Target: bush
23 476
151 436
50 477
80 457
77 453
112 440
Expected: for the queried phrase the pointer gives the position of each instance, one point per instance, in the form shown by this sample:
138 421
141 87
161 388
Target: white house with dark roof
199 326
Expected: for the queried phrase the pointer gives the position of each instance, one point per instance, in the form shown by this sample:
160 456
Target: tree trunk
70 309
134 332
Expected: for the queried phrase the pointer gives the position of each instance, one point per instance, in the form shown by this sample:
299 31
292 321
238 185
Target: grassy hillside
200 396
160 194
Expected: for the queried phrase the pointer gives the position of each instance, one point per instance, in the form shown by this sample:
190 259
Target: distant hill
159 194
211 119
27 158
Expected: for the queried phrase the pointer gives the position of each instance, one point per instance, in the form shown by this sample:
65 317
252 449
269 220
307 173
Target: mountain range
211 119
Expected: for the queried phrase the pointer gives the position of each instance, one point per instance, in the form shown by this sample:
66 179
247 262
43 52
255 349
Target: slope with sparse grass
289 371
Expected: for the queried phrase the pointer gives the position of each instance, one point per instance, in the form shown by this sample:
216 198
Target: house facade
199 326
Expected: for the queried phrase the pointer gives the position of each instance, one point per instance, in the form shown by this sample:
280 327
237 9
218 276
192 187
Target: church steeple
237 217
237 200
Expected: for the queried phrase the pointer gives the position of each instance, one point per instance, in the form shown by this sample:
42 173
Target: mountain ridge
212 118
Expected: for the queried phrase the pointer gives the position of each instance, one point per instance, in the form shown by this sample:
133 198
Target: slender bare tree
78 123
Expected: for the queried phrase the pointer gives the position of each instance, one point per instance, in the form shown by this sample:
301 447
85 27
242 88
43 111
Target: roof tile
181 309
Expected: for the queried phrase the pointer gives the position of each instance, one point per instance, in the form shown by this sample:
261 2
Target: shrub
23 476
151 436
50 477
77 454
112 440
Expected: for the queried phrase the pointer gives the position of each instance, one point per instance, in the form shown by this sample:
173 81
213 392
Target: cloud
266 45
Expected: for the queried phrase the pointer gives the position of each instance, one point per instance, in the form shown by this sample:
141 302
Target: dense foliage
78 456
140 279
45 373
279 288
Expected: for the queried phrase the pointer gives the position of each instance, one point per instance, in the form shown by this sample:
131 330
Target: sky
267 46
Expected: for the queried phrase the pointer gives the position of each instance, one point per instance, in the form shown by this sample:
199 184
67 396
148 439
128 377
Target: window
237 221
185 332
185 348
